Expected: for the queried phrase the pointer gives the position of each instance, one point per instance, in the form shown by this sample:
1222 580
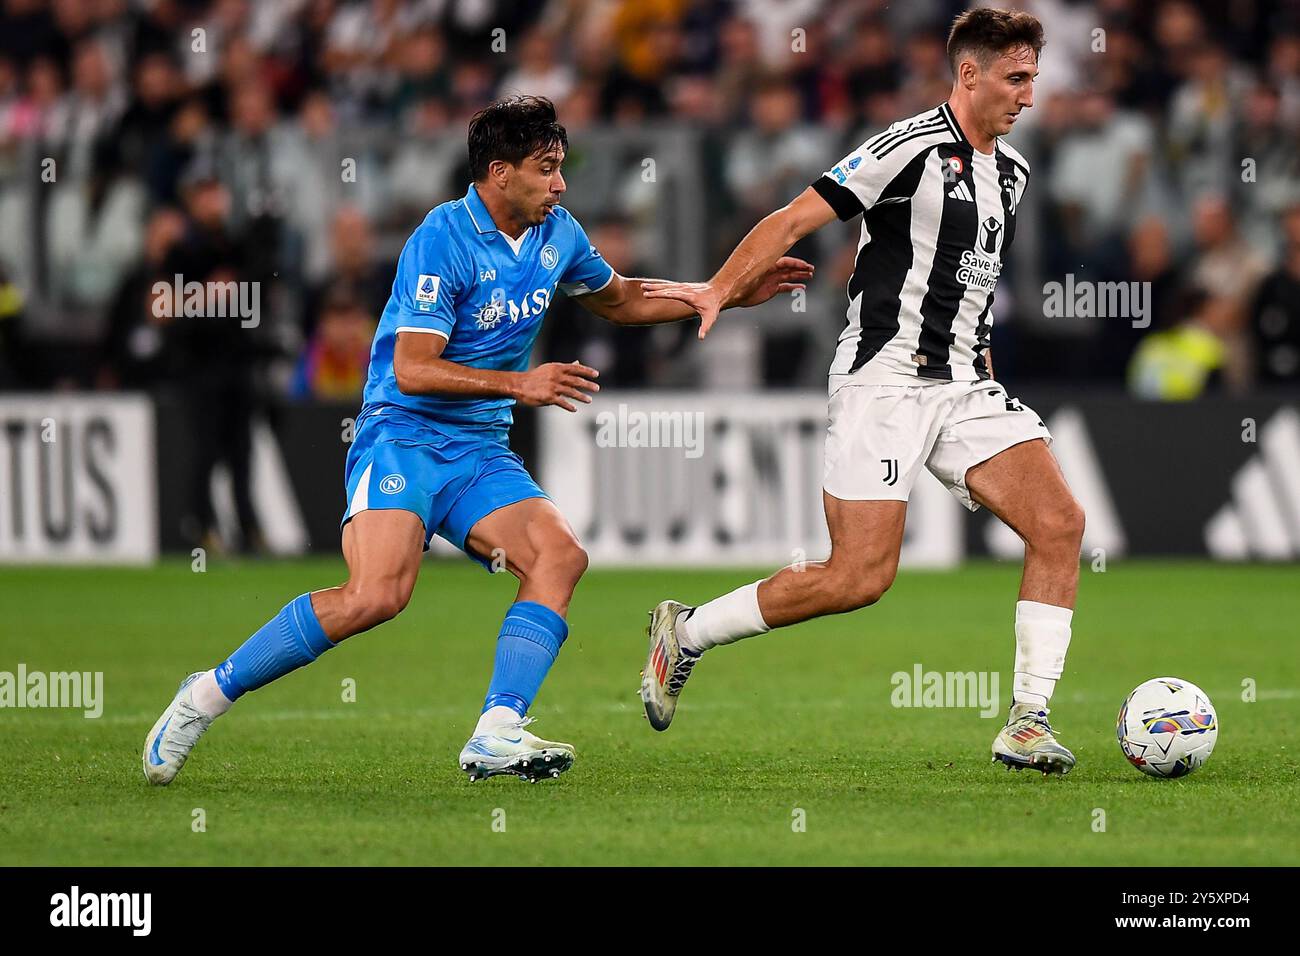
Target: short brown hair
513 129
987 33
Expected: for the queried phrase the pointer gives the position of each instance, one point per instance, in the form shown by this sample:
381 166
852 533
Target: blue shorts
450 479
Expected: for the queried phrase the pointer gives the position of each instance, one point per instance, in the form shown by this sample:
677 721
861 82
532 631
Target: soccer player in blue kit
430 454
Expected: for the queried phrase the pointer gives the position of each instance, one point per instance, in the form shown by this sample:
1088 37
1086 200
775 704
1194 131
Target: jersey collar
955 128
482 220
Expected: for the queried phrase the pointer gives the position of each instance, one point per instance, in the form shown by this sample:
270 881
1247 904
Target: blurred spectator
639 30
1266 150
425 164
93 231
1228 268
190 134
739 69
1225 263
649 42
354 268
771 163
1275 313
540 71
871 66
1150 261
1283 71
361 50
27 114
144 127
135 352
216 357
424 75
1096 209
312 172
30 32
1201 120
336 358
776 21
88 114
927 77
1185 361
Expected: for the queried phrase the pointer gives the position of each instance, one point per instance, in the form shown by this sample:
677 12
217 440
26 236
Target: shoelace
1038 719
519 724
184 717
685 664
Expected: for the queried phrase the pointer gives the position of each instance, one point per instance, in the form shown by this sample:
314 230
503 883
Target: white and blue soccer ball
1167 727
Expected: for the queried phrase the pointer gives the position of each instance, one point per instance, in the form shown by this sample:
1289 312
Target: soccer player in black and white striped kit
912 385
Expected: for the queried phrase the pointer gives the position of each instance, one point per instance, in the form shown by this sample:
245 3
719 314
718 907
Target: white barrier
77 479
672 478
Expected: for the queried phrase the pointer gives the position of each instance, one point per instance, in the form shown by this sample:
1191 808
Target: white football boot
174 735
508 748
667 667
1028 741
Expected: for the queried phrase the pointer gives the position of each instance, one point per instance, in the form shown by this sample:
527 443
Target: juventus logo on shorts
891 470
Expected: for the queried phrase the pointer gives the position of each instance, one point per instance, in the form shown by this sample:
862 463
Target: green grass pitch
796 721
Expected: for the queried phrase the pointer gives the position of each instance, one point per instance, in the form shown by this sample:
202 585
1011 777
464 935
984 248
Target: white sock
1042 638
722 621
494 717
207 696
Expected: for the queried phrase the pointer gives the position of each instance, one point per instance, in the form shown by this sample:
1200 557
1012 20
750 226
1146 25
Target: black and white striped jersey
938 217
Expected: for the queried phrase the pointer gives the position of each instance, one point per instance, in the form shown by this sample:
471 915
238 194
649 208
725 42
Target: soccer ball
1167 727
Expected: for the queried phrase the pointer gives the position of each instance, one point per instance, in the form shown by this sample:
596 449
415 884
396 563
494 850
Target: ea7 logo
75 908
487 275
891 470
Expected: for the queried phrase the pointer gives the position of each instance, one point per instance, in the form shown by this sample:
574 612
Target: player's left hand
786 275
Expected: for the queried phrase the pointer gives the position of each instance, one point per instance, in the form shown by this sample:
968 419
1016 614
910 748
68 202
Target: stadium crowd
295 143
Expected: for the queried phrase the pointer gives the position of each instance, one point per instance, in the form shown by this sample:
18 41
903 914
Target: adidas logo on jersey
1263 518
961 191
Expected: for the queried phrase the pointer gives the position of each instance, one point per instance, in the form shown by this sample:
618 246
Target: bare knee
1060 526
562 561
366 606
857 587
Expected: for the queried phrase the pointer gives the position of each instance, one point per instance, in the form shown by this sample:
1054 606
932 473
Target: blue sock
530 640
289 640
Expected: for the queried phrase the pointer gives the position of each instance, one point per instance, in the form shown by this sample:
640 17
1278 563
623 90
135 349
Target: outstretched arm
624 301
748 268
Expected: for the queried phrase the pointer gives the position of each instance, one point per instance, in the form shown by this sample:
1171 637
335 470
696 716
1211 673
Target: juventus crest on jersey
938 217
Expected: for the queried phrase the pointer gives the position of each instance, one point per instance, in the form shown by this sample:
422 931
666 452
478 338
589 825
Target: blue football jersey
485 293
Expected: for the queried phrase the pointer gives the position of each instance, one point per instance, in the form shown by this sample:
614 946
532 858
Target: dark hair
512 130
987 33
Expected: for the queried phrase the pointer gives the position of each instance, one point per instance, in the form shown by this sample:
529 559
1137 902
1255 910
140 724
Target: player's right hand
555 383
700 296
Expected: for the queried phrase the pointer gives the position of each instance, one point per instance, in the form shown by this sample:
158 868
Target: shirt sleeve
430 278
854 184
587 271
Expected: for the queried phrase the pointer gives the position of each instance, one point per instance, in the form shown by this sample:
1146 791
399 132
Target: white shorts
881 435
